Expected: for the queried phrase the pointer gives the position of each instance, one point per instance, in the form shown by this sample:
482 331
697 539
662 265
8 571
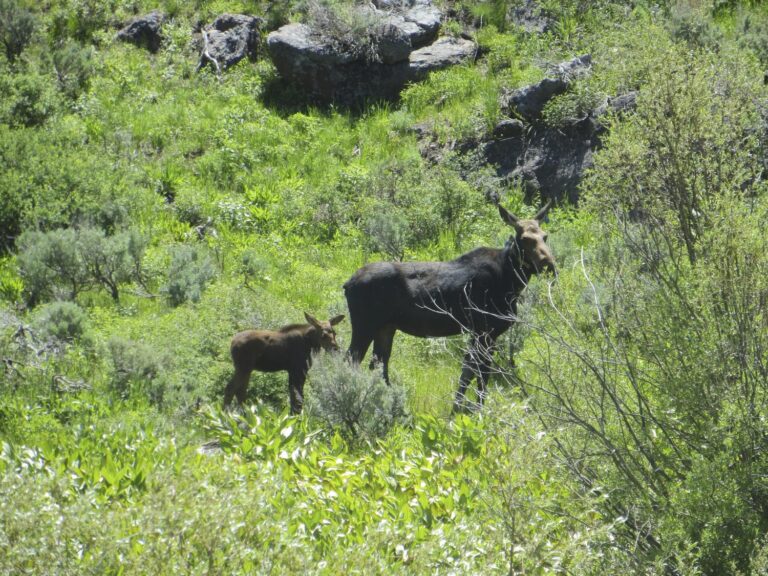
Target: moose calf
290 348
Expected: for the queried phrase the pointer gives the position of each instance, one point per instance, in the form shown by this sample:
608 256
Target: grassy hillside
148 211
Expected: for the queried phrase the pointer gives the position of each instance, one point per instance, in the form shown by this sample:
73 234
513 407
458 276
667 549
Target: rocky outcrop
548 160
229 39
529 102
401 49
144 31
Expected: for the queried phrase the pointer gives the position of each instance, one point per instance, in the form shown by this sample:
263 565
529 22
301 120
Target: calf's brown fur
290 348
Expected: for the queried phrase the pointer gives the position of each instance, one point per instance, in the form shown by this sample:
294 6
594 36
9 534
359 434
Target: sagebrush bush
356 401
189 273
68 261
63 321
137 365
50 264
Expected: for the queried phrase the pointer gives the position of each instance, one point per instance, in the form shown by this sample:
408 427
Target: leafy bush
189 273
63 321
30 99
358 402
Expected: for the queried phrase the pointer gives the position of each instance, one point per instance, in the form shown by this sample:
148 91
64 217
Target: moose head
323 335
530 241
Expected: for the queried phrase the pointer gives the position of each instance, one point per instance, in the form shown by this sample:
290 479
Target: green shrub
63 321
73 65
356 401
190 272
17 26
387 232
30 99
111 260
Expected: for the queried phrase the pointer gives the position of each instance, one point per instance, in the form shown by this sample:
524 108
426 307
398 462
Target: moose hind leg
382 349
237 387
359 345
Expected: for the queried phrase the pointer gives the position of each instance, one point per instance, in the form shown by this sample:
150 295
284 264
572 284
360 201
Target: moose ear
507 216
543 212
312 320
336 319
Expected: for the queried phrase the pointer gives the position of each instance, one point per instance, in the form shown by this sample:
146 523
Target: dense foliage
149 210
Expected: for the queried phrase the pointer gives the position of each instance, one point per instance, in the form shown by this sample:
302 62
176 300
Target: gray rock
232 37
427 20
144 31
509 128
394 44
440 54
532 17
547 160
330 72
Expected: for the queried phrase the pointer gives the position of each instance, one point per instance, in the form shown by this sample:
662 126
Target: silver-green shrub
358 402
188 275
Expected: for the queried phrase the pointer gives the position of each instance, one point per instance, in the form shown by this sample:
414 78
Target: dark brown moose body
475 293
289 349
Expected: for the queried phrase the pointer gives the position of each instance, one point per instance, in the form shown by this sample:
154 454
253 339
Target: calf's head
530 241
322 334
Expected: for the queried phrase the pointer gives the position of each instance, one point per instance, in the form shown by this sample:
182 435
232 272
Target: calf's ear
312 320
336 319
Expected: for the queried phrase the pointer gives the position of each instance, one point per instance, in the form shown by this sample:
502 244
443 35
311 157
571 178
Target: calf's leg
296 390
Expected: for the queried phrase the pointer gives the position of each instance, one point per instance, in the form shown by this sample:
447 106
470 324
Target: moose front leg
296 390
469 369
485 353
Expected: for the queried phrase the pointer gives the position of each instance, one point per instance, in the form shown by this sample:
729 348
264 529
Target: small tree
111 260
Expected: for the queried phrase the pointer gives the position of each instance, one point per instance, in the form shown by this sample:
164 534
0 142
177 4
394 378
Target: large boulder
229 39
144 31
330 70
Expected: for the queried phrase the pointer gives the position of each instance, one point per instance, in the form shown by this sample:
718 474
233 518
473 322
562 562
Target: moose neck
513 265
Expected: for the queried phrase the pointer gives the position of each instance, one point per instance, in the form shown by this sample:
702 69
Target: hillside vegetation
149 210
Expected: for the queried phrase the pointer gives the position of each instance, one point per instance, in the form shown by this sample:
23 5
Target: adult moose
477 292
290 348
